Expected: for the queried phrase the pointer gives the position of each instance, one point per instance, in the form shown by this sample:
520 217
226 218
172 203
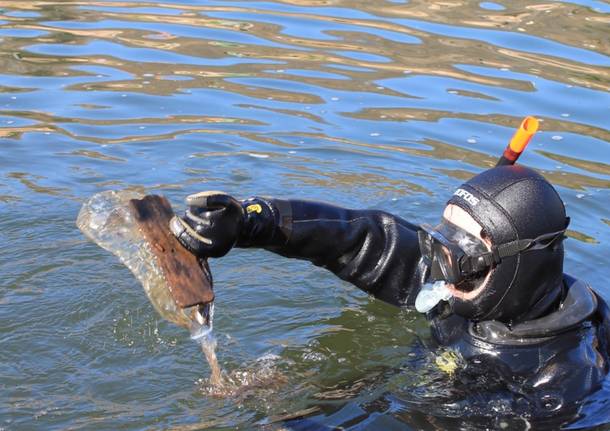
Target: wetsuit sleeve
374 250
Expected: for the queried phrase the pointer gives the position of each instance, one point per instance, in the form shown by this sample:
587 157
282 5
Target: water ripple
386 104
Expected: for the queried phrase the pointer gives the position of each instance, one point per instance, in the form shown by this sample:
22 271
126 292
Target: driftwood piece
189 281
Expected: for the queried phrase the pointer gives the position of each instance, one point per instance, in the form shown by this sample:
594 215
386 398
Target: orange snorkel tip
519 141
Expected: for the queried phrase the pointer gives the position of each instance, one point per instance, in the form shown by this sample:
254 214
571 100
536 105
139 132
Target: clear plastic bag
107 220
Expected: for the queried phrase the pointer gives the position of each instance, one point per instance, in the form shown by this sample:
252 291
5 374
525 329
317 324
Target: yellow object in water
448 362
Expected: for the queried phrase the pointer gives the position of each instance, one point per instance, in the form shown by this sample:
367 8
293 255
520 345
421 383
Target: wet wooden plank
189 281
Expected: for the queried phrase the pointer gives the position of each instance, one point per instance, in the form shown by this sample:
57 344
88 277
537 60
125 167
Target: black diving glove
215 222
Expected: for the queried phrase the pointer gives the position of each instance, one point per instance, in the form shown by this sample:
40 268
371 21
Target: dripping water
201 332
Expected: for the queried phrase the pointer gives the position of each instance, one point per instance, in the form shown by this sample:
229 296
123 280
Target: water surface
367 104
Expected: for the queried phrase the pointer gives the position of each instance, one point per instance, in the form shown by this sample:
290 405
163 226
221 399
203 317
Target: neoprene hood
513 203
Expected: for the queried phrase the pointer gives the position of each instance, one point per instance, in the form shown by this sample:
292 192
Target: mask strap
514 247
479 263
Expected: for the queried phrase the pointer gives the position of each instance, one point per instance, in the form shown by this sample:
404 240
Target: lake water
367 104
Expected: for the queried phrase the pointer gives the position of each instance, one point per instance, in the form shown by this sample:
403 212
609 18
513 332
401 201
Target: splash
257 380
201 331
107 220
241 382
208 346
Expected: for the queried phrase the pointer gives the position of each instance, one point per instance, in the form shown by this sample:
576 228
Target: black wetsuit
550 363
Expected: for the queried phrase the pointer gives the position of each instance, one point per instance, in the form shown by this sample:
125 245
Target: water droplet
313 356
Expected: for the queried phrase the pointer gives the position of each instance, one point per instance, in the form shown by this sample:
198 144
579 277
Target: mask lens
425 245
448 264
443 248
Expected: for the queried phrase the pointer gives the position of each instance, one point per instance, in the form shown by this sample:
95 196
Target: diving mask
454 255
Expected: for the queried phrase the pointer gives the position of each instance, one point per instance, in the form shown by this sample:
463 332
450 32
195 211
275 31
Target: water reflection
384 104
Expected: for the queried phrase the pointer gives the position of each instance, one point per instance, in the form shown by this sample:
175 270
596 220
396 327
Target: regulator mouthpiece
516 146
430 295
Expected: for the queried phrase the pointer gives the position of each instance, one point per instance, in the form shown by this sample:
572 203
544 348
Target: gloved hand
215 222
211 225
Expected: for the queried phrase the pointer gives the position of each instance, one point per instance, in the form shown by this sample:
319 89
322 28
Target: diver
489 277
